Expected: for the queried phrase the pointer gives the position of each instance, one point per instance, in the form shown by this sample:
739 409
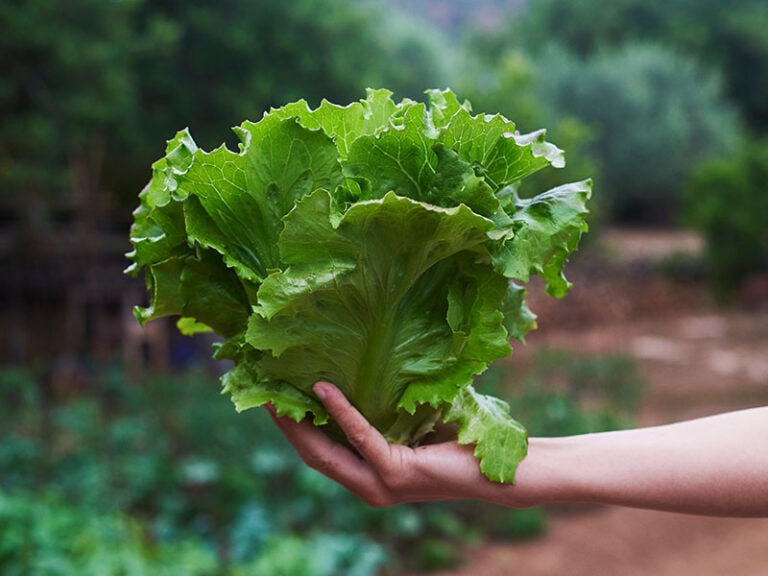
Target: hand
380 473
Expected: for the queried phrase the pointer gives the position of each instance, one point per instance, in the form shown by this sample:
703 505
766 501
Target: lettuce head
381 246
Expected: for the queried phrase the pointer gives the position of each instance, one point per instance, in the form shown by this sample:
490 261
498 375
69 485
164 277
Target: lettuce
380 246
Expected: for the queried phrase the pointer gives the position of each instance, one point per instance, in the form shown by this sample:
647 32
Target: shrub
727 201
654 115
40 535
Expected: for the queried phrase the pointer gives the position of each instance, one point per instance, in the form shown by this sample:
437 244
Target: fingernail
321 390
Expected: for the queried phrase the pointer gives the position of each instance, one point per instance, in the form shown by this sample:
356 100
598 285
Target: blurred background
117 453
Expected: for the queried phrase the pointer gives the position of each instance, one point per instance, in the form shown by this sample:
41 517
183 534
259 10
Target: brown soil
696 360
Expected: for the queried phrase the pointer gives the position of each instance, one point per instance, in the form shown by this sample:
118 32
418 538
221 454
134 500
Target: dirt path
693 364
626 542
696 361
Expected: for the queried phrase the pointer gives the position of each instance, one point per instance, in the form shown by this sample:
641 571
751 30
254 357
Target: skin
716 465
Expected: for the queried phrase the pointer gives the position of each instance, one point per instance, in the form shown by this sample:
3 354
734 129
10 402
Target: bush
654 116
563 394
727 201
636 120
42 536
167 462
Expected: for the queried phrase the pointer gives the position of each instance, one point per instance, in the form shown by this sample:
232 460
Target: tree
655 114
726 36
92 89
637 119
236 58
67 91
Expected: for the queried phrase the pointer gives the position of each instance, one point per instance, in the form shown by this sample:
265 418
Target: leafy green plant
45 537
166 463
40 535
726 200
319 555
378 246
562 393
513 82
646 106
726 37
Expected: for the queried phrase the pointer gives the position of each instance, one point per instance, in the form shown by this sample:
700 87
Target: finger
308 440
318 451
368 441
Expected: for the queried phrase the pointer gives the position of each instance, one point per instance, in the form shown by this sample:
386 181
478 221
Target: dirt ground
696 359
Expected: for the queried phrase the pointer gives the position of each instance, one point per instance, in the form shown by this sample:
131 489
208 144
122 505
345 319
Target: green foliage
68 97
654 116
434 554
90 87
42 536
562 394
523 524
197 487
727 201
727 37
165 469
320 555
617 113
503 78
235 59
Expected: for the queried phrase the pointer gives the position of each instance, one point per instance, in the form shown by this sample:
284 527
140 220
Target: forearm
716 465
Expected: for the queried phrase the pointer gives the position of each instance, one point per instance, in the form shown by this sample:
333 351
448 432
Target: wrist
549 474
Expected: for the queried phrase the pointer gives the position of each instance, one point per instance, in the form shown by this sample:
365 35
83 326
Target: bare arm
716 465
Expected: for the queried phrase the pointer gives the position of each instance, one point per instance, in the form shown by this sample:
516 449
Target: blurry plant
435 554
504 79
563 393
68 94
510 81
21 419
84 79
726 201
727 37
319 555
42 536
234 60
653 114
637 117
21 398
521 524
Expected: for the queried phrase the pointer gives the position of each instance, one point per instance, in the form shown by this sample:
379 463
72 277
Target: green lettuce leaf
376 302
540 233
500 441
379 245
